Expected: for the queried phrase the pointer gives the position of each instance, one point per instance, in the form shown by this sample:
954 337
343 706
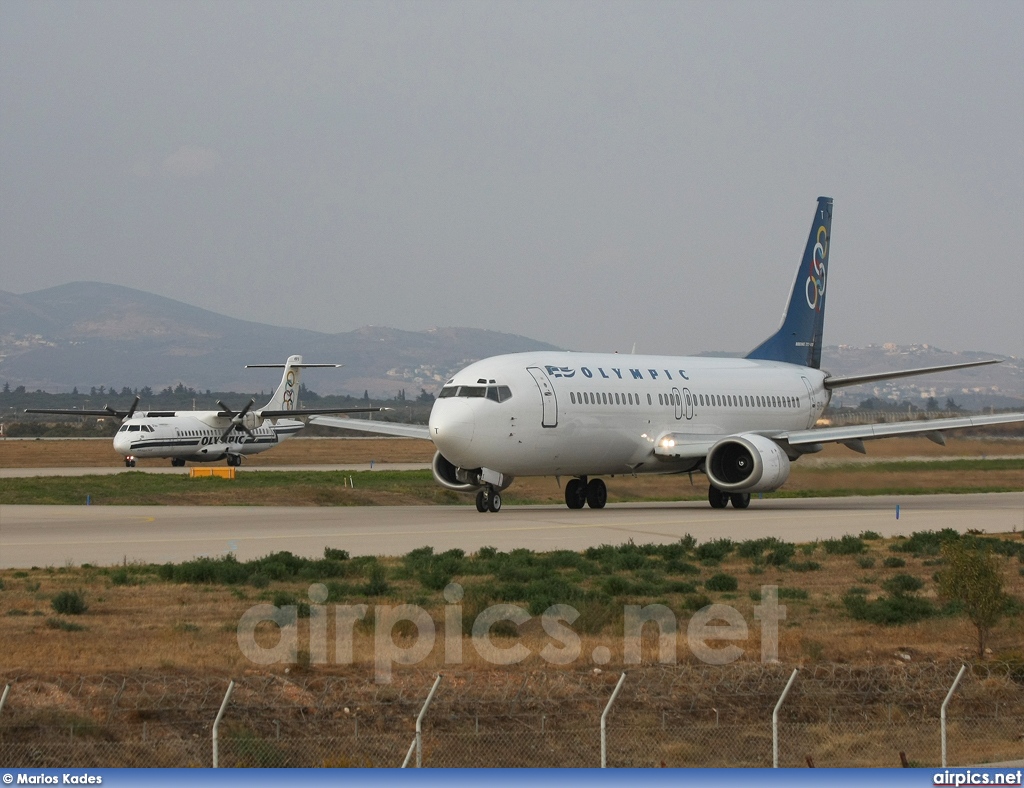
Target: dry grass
161 625
99 453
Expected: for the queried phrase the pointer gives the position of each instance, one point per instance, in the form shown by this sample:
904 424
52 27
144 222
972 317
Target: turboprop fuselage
196 436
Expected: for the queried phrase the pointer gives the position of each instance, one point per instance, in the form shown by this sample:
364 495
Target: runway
26 473
104 535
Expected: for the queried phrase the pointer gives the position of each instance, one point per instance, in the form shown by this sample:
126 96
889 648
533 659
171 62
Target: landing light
667 443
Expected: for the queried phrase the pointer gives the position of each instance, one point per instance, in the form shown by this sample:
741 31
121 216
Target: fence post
775 719
604 717
417 743
949 695
216 722
3 699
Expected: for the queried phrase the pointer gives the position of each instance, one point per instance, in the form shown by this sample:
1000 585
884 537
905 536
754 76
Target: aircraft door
688 403
548 401
810 401
677 400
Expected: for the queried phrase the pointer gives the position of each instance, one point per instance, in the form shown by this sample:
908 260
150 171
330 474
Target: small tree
971 577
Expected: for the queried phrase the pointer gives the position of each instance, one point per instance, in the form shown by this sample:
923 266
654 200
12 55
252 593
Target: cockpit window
133 428
124 428
495 393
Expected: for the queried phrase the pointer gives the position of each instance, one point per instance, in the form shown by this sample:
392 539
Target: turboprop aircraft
212 435
740 421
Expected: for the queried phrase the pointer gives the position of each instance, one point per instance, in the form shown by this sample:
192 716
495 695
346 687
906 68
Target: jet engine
448 475
747 463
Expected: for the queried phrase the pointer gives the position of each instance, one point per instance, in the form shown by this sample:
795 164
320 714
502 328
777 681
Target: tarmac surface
105 535
25 473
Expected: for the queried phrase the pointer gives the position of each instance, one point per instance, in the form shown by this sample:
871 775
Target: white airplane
582 415
212 435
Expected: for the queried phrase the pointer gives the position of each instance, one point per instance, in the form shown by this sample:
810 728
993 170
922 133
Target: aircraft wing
860 432
107 411
71 412
835 382
291 414
376 427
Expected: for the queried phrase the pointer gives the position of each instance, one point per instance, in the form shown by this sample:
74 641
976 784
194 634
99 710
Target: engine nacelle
453 478
747 463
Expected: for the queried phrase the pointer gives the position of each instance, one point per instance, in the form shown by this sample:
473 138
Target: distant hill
91 334
88 334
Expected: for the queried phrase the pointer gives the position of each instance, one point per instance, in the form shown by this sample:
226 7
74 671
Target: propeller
237 419
123 415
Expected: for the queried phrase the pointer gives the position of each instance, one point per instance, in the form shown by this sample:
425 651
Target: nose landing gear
129 461
488 500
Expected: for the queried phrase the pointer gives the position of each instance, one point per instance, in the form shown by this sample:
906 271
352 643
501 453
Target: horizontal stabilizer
294 366
856 380
858 432
376 427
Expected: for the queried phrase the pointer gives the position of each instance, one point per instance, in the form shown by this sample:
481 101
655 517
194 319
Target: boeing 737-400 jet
212 435
740 421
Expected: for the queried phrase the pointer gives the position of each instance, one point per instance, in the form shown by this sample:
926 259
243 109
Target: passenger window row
673 399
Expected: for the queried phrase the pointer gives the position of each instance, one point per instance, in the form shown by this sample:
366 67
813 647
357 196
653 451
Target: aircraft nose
451 430
122 444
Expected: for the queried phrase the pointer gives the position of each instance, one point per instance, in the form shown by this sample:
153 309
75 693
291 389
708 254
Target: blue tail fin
798 340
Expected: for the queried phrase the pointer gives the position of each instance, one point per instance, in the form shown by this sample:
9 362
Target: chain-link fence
686 715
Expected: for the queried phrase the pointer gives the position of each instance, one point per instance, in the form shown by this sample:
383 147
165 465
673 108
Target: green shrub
333 554
696 601
889 611
925 543
865 562
680 587
616 585
848 545
66 626
804 566
69 603
377 584
870 535
902 584
893 562
675 566
721 582
716 550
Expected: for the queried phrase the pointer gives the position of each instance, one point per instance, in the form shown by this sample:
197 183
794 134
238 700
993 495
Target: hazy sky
588 174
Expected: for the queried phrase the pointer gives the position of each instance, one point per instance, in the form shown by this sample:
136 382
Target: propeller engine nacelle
453 478
747 463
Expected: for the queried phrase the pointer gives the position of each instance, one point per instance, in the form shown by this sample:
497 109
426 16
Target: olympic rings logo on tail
287 404
814 287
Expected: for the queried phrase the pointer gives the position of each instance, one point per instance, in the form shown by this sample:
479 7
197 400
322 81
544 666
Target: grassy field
184 617
339 451
383 487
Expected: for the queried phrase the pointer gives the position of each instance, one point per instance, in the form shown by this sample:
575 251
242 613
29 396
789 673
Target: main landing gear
719 499
488 500
234 460
178 462
580 492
